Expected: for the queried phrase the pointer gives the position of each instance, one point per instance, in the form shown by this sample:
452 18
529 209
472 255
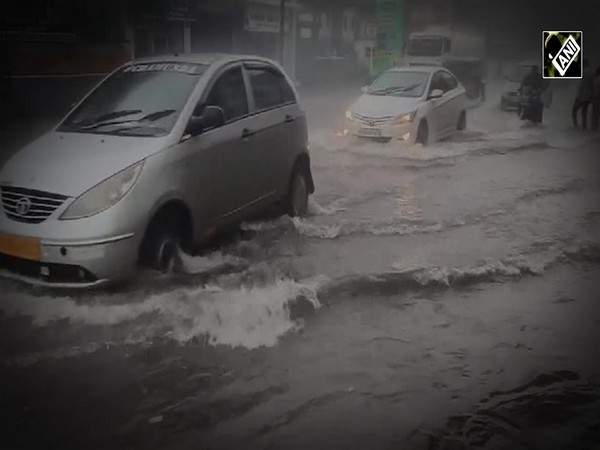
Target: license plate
20 247
374 132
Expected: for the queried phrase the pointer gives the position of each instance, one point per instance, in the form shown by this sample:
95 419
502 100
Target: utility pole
281 30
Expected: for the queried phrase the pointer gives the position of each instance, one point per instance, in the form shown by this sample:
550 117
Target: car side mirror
195 126
436 93
211 117
364 89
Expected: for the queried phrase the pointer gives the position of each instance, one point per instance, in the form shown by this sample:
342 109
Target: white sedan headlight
104 195
349 115
406 118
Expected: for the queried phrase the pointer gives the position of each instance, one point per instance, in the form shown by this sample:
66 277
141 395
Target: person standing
596 101
584 96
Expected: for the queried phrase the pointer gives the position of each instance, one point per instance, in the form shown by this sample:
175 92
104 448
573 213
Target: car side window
450 81
269 87
229 93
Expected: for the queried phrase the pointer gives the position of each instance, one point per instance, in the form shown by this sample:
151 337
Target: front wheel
297 201
423 134
162 246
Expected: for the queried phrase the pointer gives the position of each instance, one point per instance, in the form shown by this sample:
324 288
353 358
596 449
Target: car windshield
138 100
399 84
425 47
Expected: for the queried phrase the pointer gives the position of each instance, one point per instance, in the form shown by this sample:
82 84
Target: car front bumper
82 263
405 132
75 253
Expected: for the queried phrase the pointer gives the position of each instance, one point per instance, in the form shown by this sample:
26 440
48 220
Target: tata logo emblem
562 54
23 206
371 123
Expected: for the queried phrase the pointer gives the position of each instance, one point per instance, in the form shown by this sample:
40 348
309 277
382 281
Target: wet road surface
435 298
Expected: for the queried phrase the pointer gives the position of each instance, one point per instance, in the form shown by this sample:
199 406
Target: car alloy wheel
167 258
163 243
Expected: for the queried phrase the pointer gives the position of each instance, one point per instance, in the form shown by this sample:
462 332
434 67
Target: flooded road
435 298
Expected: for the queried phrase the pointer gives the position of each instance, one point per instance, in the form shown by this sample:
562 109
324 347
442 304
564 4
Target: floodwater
435 298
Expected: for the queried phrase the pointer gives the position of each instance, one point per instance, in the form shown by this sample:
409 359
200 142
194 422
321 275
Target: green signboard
390 34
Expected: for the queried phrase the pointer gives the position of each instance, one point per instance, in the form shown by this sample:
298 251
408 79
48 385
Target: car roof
201 58
417 68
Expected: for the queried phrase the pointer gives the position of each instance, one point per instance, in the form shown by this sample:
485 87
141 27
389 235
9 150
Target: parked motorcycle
531 105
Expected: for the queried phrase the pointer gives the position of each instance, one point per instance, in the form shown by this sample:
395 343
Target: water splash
248 317
213 262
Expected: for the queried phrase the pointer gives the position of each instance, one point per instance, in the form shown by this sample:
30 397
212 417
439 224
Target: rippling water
434 298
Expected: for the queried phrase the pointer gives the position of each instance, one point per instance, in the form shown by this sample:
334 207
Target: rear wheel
462 121
423 133
297 200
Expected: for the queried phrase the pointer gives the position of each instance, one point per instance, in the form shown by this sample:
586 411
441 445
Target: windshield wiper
156 115
147 118
107 116
391 90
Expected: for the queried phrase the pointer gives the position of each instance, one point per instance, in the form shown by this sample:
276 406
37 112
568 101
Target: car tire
423 133
462 121
297 199
162 246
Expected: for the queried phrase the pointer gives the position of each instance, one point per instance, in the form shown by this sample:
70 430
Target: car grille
373 121
28 205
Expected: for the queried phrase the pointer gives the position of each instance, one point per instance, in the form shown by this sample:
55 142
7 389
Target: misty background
54 51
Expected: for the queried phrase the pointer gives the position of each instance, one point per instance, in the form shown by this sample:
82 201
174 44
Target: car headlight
406 118
349 115
103 195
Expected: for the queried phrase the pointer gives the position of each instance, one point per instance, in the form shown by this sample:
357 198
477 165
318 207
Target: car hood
384 106
71 163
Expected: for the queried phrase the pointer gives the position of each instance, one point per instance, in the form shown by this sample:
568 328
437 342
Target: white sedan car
415 104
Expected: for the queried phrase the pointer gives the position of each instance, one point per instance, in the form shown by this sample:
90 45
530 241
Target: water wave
458 146
338 205
403 227
570 186
211 263
248 317
258 315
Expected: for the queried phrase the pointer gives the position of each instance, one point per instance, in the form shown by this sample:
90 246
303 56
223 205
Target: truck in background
463 53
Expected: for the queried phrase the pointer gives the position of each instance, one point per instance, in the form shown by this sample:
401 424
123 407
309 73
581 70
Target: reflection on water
408 205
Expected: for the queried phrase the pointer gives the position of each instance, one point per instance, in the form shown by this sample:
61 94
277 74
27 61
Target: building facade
51 53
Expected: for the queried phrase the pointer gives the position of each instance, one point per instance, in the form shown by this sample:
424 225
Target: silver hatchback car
159 156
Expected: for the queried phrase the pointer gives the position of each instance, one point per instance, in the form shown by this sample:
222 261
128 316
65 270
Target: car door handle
289 118
246 133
